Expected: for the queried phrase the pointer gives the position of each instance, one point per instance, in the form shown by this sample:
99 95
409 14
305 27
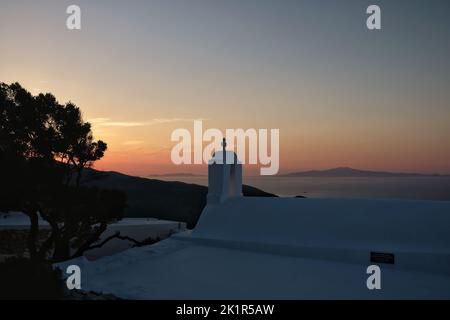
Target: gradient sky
340 94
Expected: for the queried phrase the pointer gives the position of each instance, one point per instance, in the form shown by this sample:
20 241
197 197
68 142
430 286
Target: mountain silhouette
350 172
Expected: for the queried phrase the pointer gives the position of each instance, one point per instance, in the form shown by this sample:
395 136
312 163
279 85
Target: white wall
417 232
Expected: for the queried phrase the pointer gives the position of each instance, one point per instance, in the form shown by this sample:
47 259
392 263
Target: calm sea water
419 188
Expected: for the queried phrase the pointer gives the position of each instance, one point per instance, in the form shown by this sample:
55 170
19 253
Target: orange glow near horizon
143 158
141 146
341 97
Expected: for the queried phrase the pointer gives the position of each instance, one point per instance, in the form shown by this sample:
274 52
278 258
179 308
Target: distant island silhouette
179 174
350 172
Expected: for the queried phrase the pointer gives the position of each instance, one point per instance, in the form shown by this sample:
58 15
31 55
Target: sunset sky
340 94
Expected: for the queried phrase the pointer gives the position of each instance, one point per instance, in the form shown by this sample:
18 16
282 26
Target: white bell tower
224 176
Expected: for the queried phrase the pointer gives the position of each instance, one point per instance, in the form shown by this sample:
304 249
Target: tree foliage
44 148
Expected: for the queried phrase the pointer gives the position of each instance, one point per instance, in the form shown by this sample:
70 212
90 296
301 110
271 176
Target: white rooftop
287 248
269 248
175 269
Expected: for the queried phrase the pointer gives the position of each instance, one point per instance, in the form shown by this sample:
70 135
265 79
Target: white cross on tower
224 145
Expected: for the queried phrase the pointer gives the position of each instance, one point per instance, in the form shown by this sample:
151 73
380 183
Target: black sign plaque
382 257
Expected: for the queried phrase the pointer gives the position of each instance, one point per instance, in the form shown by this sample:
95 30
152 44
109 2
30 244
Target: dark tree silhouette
75 144
42 144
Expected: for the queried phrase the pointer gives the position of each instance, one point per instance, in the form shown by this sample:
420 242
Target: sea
415 188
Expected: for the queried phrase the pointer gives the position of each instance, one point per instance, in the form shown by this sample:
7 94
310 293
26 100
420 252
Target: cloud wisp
133 143
106 122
